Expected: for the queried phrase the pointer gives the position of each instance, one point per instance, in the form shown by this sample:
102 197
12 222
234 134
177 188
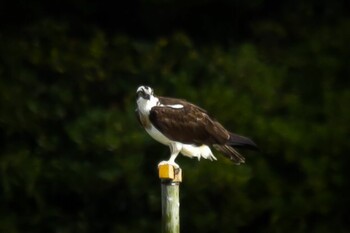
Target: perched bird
186 128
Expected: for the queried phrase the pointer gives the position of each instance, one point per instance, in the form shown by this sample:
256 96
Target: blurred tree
73 158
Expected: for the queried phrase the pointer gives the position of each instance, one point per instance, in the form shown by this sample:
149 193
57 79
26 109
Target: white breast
157 135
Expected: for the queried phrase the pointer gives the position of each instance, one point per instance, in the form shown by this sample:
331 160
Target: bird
187 128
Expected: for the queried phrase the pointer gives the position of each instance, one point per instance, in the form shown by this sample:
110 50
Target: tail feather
230 153
239 141
236 141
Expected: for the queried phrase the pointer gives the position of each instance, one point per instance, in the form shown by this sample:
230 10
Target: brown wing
173 101
190 124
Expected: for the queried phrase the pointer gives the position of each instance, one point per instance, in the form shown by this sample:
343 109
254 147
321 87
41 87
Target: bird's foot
172 163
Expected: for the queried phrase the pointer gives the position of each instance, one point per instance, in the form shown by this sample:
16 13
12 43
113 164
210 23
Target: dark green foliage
73 158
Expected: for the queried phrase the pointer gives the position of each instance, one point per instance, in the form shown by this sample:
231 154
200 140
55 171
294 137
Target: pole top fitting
170 173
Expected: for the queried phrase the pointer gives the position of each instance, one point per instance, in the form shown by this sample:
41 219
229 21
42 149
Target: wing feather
190 124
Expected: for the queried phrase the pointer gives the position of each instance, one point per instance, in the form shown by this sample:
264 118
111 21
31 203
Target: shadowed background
74 159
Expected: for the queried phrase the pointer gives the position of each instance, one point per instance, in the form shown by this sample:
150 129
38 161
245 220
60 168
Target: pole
170 183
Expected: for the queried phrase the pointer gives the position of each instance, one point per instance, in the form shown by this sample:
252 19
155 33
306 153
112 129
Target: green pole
170 185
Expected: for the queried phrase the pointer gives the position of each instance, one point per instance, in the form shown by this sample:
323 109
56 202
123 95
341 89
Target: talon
169 163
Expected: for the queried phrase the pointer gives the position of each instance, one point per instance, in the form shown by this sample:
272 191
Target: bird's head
145 98
144 92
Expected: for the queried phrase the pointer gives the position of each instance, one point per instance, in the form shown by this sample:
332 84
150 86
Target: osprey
186 128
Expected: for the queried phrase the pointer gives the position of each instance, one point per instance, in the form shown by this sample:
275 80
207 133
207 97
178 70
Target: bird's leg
175 150
171 161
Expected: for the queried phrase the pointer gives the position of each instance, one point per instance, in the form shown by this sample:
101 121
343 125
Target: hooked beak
143 95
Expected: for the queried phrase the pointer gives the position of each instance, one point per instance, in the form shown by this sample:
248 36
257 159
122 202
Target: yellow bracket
169 172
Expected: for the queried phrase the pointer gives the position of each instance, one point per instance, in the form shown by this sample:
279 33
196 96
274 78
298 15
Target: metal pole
170 185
